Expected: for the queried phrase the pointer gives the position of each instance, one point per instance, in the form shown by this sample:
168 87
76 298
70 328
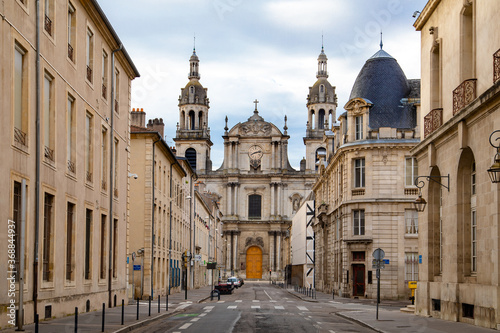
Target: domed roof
193 93
315 94
383 82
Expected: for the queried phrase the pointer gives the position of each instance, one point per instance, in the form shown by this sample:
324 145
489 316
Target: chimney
138 117
156 125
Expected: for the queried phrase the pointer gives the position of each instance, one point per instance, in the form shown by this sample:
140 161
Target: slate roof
383 82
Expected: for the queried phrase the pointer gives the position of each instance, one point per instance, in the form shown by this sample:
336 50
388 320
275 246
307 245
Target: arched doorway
254 263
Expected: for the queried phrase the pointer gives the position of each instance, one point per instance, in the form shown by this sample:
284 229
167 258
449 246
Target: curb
360 322
304 299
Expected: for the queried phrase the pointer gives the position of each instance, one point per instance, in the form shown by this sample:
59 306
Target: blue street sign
420 259
386 261
137 267
127 260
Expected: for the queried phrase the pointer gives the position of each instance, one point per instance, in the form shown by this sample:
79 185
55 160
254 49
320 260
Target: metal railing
49 153
89 176
48 25
432 121
463 95
89 73
104 90
70 52
496 66
19 136
71 166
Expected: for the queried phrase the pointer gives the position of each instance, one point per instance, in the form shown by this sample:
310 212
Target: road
255 307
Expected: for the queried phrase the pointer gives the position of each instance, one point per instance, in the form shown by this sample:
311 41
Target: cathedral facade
258 190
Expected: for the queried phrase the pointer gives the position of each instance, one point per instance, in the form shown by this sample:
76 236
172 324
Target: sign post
378 263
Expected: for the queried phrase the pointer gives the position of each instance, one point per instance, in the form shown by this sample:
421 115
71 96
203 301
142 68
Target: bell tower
193 134
321 107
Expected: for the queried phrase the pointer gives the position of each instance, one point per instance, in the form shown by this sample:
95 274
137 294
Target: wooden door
359 280
254 263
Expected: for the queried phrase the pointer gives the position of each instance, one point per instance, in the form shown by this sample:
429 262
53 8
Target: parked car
225 288
241 281
234 281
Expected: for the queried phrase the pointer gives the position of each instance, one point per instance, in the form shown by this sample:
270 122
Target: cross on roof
256 101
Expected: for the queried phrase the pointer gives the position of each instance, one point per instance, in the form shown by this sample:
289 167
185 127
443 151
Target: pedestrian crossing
238 304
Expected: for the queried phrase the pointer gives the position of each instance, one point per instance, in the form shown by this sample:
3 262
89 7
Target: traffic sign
197 257
379 254
137 267
386 261
378 264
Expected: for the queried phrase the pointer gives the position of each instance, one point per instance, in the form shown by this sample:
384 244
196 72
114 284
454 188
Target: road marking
272 301
238 301
180 307
267 294
279 307
183 327
256 301
332 331
220 301
255 306
202 315
302 308
208 307
232 306
195 319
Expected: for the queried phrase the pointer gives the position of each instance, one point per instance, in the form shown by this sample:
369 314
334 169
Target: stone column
280 198
229 191
237 198
272 199
273 154
226 155
237 154
235 256
271 249
278 264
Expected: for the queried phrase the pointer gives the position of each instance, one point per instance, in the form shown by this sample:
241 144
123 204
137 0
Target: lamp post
494 170
420 203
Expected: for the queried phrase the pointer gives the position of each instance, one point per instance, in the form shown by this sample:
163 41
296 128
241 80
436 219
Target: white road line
183 327
256 301
195 319
255 306
279 307
267 294
208 307
302 308
272 301
220 301
332 331
202 315
232 306
238 301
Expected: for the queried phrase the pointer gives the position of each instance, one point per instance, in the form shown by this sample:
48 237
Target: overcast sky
257 49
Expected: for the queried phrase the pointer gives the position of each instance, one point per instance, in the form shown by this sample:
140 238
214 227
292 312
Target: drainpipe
111 174
170 235
37 157
153 218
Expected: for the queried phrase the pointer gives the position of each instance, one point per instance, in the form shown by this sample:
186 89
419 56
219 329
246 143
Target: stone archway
254 263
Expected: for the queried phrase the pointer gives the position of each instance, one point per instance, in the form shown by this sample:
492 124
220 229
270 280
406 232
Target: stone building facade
74 164
365 189
459 228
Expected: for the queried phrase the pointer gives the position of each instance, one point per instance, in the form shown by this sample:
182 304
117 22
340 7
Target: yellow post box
412 285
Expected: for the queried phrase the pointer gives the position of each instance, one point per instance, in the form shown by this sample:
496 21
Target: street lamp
494 170
420 203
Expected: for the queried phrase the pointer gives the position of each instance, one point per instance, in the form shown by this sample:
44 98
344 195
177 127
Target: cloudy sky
257 49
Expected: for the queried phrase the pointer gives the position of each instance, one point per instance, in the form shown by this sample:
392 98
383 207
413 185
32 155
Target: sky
257 49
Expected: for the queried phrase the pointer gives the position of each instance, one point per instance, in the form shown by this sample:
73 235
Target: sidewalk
391 319
92 321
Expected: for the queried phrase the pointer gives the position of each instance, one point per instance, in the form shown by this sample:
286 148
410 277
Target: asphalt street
256 307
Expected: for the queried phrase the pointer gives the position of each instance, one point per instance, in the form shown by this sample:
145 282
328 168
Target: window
117 89
473 241
47 237
104 158
411 222
435 76
191 124
191 157
90 54
49 16
473 179
411 266
102 249
468 310
411 171
104 74
254 206
20 86
359 222
115 246
321 119
88 147
115 167
359 172
358 256
320 157
70 130
71 31
48 117
358 127
16 217
88 242
70 211
467 35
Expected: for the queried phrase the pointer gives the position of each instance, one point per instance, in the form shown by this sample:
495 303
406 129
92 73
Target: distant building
458 230
365 190
75 164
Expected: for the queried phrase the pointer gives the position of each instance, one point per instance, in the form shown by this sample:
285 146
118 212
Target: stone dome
315 94
193 93
383 82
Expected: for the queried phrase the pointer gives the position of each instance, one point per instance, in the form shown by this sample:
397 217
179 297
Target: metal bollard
103 316
137 318
166 305
149 310
76 319
159 303
123 311
333 293
36 323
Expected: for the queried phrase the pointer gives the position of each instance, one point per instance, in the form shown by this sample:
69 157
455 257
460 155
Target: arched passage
254 263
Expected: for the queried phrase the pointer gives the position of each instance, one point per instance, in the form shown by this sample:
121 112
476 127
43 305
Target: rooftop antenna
381 44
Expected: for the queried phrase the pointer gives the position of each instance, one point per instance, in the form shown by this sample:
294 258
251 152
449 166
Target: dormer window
191 90
359 127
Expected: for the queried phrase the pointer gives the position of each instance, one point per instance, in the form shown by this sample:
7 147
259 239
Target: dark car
225 288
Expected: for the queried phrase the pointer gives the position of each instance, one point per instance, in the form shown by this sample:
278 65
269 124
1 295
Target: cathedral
257 188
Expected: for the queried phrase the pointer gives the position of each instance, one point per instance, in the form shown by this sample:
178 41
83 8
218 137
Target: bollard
137 318
333 293
76 319
166 305
103 315
36 323
159 303
149 310
123 311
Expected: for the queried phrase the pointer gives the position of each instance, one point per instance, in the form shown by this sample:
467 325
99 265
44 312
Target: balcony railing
49 153
104 90
496 66
411 191
71 167
115 192
432 121
103 185
89 176
89 73
19 136
116 106
358 192
463 95
48 25
70 52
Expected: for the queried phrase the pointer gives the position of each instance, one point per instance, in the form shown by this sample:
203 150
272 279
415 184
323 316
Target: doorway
254 263
359 280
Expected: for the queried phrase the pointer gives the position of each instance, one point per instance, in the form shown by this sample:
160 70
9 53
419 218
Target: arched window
200 119
191 120
320 156
254 206
321 119
191 90
191 157
321 93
